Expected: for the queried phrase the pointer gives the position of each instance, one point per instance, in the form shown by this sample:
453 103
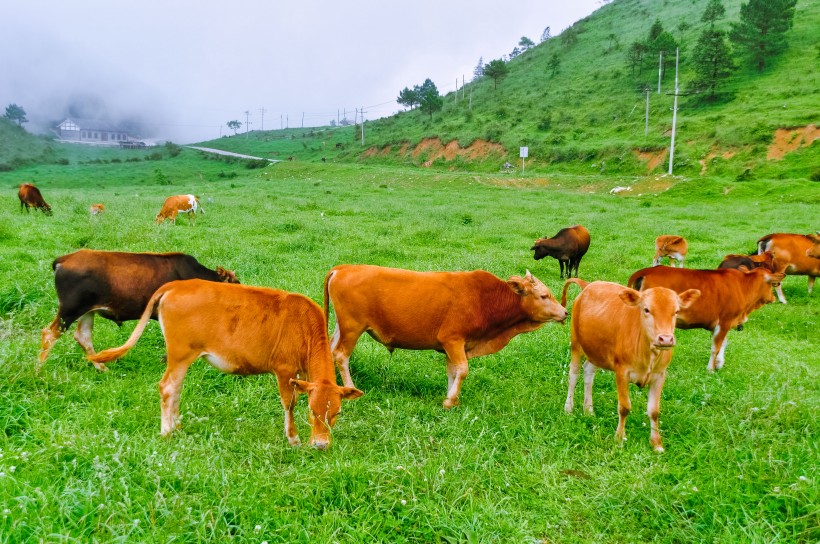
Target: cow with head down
174 205
792 251
30 197
463 314
116 285
568 246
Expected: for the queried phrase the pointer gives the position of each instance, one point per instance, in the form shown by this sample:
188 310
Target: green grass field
81 458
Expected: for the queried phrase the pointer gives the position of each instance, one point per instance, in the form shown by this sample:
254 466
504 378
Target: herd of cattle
251 330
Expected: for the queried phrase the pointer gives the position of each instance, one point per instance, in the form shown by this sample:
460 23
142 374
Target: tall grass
82 460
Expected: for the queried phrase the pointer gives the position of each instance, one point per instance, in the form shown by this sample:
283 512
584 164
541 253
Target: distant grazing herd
252 330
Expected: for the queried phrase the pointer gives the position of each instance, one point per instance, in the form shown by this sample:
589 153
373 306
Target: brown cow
791 251
727 298
245 330
568 246
630 333
30 197
96 209
463 314
174 205
750 262
115 285
672 246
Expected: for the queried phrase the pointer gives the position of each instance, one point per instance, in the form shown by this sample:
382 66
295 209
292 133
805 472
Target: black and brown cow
117 286
568 246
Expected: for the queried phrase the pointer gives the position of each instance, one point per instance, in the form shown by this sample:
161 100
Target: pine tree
761 31
712 59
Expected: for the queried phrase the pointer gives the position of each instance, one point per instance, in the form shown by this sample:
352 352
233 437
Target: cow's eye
646 311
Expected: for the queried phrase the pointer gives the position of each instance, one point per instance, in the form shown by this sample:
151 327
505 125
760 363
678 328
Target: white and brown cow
629 332
188 204
727 297
30 197
96 209
463 314
116 285
672 246
792 252
245 330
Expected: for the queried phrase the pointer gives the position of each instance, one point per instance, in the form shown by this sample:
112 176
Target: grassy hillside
80 451
19 148
589 117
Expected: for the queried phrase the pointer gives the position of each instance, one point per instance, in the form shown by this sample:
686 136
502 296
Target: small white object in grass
619 189
441 472
399 467
257 528
695 489
403 502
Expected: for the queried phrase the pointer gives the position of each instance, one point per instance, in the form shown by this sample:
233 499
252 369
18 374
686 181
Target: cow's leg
657 260
624 405
811 283
47 340
289 396
779 290
589 379
653 410
85 325
574 372
718 348
341 346
171 385
457 369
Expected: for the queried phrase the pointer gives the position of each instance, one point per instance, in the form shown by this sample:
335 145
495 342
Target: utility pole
456 97
281 125
262 114
646 130
337 117
462 86
303 119
363 112
660 68
674 117
247 122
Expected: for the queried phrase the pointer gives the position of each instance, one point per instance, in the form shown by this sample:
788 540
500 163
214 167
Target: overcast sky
188 67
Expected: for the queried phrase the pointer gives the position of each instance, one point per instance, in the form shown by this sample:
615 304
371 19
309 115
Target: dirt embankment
652 158
787 140
434 149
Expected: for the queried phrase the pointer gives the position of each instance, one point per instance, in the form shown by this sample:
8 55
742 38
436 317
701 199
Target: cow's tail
577 281
762 244
636 281
327 298
112 354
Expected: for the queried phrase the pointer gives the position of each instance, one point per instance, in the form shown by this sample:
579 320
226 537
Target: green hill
589 116
19 148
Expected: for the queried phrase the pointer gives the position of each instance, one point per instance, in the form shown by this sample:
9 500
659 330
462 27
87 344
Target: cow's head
536 299
543 247
659 308
814 251
324 402
226 276
761 290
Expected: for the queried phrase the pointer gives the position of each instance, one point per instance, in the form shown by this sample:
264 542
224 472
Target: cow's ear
630 297
301 385
516 283
688 297
350 393
775 277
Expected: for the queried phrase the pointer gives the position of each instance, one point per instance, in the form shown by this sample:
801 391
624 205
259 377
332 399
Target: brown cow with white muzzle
245 330
629 332
463 314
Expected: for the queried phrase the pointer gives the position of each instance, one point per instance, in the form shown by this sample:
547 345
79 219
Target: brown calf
630 333
463 314
672 246
792 251
245 330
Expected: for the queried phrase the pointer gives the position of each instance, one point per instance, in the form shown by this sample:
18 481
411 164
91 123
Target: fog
181 70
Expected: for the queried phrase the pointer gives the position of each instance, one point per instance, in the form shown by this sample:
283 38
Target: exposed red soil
435 149
787 140
704 162
651 158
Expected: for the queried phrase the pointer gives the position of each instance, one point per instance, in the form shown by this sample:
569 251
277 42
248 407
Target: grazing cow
245 330
30 197
568 246
96 209
180 204
463 314
628 332
791 251
727 298
115 285
750 262
669 245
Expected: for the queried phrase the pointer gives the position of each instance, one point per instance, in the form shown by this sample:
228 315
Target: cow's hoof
448 403
295 441
101 367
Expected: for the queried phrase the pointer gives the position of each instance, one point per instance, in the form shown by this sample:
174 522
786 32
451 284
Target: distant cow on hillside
30 197
180 204
568 246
